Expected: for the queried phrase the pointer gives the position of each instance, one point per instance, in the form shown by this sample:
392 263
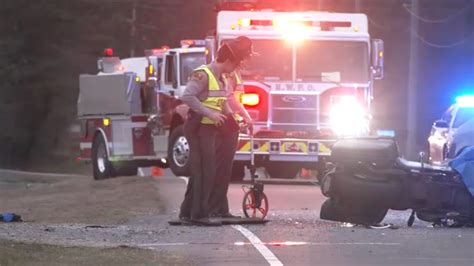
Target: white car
442 134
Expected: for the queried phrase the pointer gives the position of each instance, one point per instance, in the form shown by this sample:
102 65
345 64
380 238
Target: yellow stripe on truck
264 147
261 148
323 148
302 147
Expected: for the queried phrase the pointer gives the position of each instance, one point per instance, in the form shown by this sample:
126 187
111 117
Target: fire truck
310 83
131 110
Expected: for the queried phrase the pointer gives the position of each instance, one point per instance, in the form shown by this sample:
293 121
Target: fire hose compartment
109 94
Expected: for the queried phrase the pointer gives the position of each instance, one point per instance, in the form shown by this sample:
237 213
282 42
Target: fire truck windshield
332 61
316 61
273 61
189 62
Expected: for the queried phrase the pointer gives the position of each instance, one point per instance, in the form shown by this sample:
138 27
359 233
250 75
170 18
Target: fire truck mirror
175 72
377 58
152 82
100 65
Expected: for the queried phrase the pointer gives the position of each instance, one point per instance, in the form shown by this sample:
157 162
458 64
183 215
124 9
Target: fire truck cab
312 80
177 66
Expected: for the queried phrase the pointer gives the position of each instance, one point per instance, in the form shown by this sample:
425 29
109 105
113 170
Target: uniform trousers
212 151
226 147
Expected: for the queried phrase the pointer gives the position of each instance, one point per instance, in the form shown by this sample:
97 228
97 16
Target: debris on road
10 217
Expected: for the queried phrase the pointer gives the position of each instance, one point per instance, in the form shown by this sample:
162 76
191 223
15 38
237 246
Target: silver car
442 142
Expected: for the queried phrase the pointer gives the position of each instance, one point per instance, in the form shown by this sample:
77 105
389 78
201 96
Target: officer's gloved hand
249 123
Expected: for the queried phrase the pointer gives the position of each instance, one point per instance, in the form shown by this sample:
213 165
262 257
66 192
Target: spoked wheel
179 152
255 204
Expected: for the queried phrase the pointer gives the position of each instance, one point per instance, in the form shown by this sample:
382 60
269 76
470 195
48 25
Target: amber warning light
250 99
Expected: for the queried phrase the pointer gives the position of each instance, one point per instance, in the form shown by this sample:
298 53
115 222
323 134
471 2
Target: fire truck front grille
294 112
294 117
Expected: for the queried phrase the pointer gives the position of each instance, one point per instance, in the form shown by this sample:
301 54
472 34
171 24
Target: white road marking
294 243
277 244
185 179
257 243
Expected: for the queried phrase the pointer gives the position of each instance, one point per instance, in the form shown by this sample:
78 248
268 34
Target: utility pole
133 30
411 147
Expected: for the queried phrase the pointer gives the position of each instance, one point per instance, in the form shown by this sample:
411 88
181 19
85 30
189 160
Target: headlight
348 117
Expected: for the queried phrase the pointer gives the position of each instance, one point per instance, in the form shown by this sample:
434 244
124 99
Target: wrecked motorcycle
367 177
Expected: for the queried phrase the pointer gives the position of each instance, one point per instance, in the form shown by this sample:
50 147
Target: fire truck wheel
282 170
178 152
238 171
101 165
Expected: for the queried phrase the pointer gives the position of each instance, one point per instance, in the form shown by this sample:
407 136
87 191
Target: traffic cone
305 172
156 171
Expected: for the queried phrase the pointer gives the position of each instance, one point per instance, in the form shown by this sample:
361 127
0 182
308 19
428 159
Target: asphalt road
296 236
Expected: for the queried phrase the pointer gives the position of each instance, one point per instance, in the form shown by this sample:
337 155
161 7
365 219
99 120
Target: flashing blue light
465 101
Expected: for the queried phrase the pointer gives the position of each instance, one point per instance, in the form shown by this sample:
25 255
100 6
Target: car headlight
348 117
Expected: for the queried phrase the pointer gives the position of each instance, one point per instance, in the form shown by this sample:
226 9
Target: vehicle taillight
255 101
250 99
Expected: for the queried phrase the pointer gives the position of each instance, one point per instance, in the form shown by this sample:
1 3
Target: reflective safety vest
216 97
238 94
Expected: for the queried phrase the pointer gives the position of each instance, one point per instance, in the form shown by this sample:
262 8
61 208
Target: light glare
465 100
290 29
348 117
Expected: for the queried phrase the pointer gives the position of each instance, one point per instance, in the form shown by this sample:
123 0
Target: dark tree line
46 44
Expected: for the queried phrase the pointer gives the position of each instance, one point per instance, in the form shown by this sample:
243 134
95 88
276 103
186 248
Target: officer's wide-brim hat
241 48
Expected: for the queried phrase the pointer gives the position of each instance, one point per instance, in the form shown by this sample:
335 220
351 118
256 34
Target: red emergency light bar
265 23
247 5
324 25
157 51
329 25
192 43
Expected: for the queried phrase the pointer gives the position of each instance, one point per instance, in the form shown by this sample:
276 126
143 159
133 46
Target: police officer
210 102
229 132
